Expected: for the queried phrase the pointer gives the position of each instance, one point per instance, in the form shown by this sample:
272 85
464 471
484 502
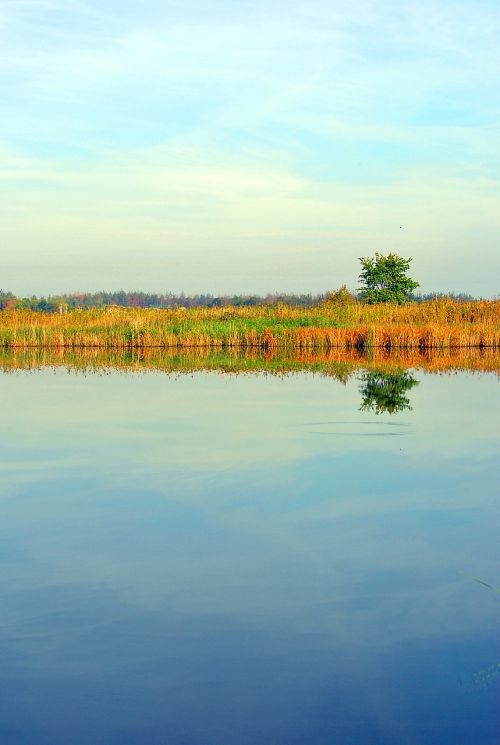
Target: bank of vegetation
340 322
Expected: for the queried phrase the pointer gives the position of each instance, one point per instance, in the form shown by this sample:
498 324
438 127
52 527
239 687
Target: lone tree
384 279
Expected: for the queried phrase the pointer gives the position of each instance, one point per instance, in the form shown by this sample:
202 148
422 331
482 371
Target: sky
231 146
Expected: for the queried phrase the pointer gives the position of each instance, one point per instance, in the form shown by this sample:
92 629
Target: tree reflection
386 392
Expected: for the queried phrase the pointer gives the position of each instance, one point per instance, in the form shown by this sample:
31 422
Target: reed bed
436 324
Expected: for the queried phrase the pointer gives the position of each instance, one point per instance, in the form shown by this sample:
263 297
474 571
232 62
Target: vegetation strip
434 324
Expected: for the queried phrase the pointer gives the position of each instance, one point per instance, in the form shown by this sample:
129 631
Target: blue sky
247 146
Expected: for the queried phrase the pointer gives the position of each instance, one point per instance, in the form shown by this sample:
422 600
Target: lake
249 559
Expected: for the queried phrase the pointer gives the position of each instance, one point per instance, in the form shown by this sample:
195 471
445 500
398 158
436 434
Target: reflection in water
386 392
385 375
183 560
486 584
486 678
338 363
489 676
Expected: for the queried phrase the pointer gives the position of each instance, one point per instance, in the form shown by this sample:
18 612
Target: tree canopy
384 279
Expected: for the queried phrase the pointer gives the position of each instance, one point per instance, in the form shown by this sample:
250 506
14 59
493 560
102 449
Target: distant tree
384 279
456 297
7 300
121 298
342 296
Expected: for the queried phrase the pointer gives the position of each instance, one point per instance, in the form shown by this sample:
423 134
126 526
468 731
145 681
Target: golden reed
436 324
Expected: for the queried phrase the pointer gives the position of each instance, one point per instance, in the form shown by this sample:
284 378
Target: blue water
247 560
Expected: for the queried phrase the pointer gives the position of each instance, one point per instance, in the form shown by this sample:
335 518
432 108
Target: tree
342 296
7 300
384 279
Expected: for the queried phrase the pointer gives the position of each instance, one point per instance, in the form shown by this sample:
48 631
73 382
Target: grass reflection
339 363
386 377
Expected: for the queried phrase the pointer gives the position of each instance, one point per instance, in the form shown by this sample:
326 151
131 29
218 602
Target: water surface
212 559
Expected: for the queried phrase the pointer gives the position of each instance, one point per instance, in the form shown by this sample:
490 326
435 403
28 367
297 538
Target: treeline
72 301
121 298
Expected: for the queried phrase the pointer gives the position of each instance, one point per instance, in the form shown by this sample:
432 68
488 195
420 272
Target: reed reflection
386 376
339 363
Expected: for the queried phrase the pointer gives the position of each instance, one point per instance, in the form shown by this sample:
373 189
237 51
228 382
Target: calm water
248 560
